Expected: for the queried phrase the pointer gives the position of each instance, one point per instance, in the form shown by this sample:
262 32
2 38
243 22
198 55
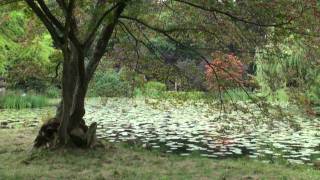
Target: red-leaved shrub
225 71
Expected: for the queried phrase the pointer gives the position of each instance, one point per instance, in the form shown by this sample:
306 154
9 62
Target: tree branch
48 13
48 24
236 18
72 34
90 36
151 48
7 2
103 40
175 29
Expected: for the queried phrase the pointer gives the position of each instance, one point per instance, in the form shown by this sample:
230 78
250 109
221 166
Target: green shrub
109 84
281 95
236 95
27 75
137 80
184 96
313 93
138 92
195 95
154 85
154 89
53 92
158 90
17 101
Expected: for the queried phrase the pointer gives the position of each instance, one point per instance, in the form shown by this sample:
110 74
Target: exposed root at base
80 136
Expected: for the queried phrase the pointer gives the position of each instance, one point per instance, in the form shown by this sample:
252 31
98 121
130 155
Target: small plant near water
18 101
53 92
185 96
234 94
152 89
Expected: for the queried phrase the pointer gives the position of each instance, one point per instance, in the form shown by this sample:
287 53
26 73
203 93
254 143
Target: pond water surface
193 128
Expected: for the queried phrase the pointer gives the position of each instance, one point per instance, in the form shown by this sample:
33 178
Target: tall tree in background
84 29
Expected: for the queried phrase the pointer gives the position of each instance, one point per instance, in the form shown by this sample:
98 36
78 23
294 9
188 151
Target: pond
191 128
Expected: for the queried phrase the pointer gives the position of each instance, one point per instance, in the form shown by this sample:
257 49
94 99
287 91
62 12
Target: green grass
16 101
122 162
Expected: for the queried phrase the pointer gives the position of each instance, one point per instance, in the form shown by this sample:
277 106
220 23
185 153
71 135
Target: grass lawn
18 161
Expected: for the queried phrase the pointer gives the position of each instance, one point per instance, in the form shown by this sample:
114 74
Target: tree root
80 136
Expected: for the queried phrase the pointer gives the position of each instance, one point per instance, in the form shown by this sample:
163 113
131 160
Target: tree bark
69 83
71 109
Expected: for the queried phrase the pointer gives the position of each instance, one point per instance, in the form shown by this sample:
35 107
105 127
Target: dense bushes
27 75
124 84
109 84
113 84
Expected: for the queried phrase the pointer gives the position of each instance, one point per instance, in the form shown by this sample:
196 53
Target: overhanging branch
89 37
164 33
234 17
103 40
7 2
171 30
48 13
46 21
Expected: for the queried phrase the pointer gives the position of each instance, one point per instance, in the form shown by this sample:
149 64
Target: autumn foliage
224 71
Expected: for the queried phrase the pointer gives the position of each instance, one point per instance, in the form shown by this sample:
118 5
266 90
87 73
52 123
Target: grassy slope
118 162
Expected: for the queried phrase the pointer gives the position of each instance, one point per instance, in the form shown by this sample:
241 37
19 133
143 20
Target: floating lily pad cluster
199 128
193 128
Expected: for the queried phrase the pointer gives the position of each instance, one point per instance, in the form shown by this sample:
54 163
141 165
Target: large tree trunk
68 127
